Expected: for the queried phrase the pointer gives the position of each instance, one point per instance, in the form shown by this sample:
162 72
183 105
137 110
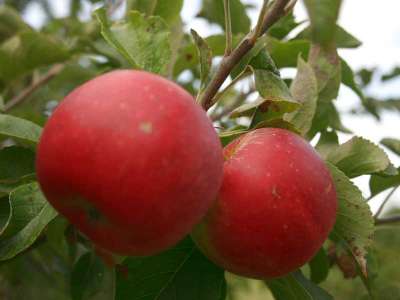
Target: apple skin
131 160
275 209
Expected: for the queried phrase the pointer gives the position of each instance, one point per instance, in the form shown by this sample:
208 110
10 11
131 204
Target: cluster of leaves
38 68
371 104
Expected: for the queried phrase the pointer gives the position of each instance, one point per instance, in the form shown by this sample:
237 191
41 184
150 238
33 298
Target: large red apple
131 160
276 206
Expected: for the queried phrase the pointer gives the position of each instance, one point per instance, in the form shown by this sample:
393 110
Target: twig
242 75
229 62
228 27
289 7
18 99
370 198
388 220
380 209
257 30
229 108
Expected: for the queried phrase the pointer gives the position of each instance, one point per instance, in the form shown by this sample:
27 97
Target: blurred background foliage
73 49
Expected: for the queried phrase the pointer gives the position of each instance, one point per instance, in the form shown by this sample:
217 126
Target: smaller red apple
275 209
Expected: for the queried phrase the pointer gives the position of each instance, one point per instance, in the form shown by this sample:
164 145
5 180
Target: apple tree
92 209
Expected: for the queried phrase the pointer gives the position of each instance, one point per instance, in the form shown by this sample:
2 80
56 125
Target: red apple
131 160
276 206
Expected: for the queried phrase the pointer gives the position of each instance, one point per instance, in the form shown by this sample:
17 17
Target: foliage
43 256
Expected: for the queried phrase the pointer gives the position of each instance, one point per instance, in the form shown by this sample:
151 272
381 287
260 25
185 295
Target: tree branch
259 26
229 62
380 209
388 220
18 99
228 27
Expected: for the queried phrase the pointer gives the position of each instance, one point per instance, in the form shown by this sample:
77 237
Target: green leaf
213 11
365 75
327 67
1 104
354 222
296 286
228 136
375 106
144 6
319 266
327 142
205 55
10 22
285 53
30 213
179 273
392 144
304 90
188 57
379 183
275 100
326 116
168 10
275 96
283 26
17 166
26 202
277 123
144 42
343 38
5 210
263 61
359 156
176 40
348 80
23 52
251 55
91 279
395 72
346 40
323 15
19 128
16 162
389 171
6 187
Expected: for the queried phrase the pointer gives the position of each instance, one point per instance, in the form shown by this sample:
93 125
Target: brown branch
18 99
260 22
277 11
388 220
228 27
